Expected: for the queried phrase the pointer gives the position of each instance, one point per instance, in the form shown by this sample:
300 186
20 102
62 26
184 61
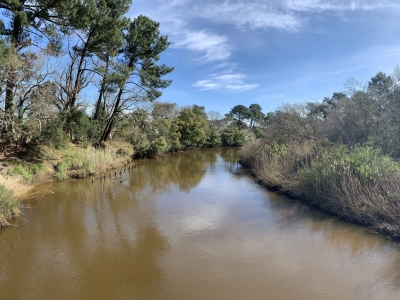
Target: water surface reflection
191 225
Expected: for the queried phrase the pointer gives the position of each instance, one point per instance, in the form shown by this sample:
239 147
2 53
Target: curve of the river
190 225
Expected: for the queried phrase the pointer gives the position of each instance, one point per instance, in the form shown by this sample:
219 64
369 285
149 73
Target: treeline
80 71
164 127
53 54
340 154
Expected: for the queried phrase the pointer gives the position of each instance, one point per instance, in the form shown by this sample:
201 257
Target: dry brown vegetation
362 187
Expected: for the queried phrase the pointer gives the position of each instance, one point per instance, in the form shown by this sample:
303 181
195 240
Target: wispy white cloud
227 66
343 71
176 16
337 5
230 82
241 87
205 85
214 47
253 15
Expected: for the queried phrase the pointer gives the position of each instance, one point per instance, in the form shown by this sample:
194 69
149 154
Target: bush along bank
361 186
9 206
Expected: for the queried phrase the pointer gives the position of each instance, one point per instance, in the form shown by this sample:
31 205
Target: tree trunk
102 88
77 84
110 122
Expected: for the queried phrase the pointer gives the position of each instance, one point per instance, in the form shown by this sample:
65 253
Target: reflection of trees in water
230 154
184 170
332 235
107 240
338 233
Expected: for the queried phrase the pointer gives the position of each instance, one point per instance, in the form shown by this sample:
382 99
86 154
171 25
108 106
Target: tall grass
9 206
27 171
361 185
80 162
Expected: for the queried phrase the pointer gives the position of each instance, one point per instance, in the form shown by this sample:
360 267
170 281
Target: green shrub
53 135
159 145
231 136
61 171
9 205
259 133
192 127
365 161
80 126
369 162
73 162
213 138
125 151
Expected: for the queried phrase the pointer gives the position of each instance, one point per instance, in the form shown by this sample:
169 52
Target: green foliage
80 127
140 142
73 162
192 128
7 201
159 145
274 150
367 162
213 138
255 114
9 205
125 151
175 136
259 133
61 171
53 134
27 171
20 170
239 113
231 136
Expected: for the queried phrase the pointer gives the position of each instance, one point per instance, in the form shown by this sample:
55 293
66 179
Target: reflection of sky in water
229 219
162 234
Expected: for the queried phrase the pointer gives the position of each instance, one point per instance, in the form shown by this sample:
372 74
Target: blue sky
272 52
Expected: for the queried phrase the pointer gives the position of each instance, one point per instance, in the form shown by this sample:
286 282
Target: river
190 225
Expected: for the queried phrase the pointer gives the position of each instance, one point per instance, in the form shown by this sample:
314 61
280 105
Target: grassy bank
361 185
9 206
22 170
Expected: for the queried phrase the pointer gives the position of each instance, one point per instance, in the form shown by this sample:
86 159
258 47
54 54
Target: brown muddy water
191 225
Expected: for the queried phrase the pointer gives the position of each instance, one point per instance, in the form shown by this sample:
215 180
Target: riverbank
361 186
21 171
